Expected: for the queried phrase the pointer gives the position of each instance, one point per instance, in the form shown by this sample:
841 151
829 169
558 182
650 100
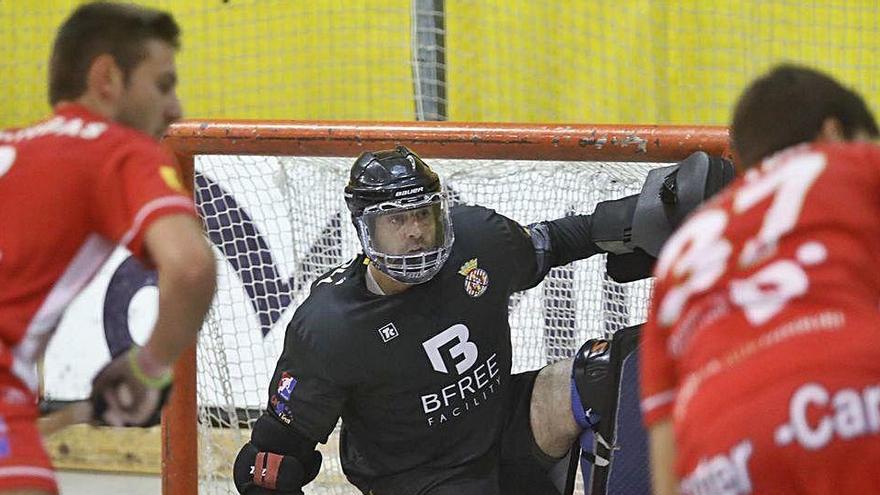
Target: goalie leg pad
590 394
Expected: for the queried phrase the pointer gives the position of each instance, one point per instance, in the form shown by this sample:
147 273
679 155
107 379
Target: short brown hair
97 28
788 106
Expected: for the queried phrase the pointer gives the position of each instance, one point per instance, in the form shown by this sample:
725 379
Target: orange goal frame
567 142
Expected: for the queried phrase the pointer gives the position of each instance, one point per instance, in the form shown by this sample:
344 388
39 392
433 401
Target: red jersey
72 188
769 290
790 250
776 278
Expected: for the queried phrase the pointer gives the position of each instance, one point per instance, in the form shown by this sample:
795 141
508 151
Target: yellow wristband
158 382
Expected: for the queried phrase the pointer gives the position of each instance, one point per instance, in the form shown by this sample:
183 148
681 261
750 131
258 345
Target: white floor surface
88 483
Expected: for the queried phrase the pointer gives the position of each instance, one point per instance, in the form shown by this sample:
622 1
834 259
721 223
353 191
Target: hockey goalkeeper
409 342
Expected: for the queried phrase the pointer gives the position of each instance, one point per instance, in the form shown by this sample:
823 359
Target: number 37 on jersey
765 207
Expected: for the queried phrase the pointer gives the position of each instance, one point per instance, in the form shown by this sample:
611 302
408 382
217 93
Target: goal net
277 221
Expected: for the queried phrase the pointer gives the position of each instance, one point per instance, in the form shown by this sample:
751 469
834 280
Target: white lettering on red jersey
71 189
846 414
722 474
789 252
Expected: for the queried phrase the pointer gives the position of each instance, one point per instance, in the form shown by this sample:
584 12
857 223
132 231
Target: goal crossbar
508 141
492 141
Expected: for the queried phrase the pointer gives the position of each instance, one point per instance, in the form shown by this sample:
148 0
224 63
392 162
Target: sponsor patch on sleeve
281 397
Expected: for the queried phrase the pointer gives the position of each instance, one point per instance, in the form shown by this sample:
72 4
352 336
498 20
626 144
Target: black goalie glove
283 463
632 230
267 473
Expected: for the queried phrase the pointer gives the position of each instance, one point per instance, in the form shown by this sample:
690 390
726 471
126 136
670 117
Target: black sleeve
570 239
519 255
269 435
559 242
303 393
529 253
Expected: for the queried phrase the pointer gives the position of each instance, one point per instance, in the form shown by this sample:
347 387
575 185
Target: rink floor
95 483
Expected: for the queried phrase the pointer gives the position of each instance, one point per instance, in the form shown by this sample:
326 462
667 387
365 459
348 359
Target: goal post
270 195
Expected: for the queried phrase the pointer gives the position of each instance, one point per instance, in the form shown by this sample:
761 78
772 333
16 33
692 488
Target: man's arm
187 277
305 401
662 450
632 229
133 387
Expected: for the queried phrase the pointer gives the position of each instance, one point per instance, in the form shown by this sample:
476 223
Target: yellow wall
631 61
258 59
645 61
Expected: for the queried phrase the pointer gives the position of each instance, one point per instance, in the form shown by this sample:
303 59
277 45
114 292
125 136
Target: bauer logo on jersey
388 332
286 385
476 280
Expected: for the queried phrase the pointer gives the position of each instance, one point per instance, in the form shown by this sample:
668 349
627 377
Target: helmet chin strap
372 285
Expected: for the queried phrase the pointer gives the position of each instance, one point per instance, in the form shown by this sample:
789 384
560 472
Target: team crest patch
476 280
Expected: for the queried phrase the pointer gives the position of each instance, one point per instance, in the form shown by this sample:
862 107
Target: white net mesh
279 222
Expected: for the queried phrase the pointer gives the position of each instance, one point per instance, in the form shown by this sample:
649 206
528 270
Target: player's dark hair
96 28
788 106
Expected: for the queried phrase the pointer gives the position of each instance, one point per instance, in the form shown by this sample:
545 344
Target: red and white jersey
71 188
776 278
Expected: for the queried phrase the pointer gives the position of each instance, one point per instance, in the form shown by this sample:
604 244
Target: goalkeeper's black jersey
417 377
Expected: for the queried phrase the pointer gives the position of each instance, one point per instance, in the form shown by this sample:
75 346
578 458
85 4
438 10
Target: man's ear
831 131
105 79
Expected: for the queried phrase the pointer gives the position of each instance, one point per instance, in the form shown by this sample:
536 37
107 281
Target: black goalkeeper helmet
401 214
